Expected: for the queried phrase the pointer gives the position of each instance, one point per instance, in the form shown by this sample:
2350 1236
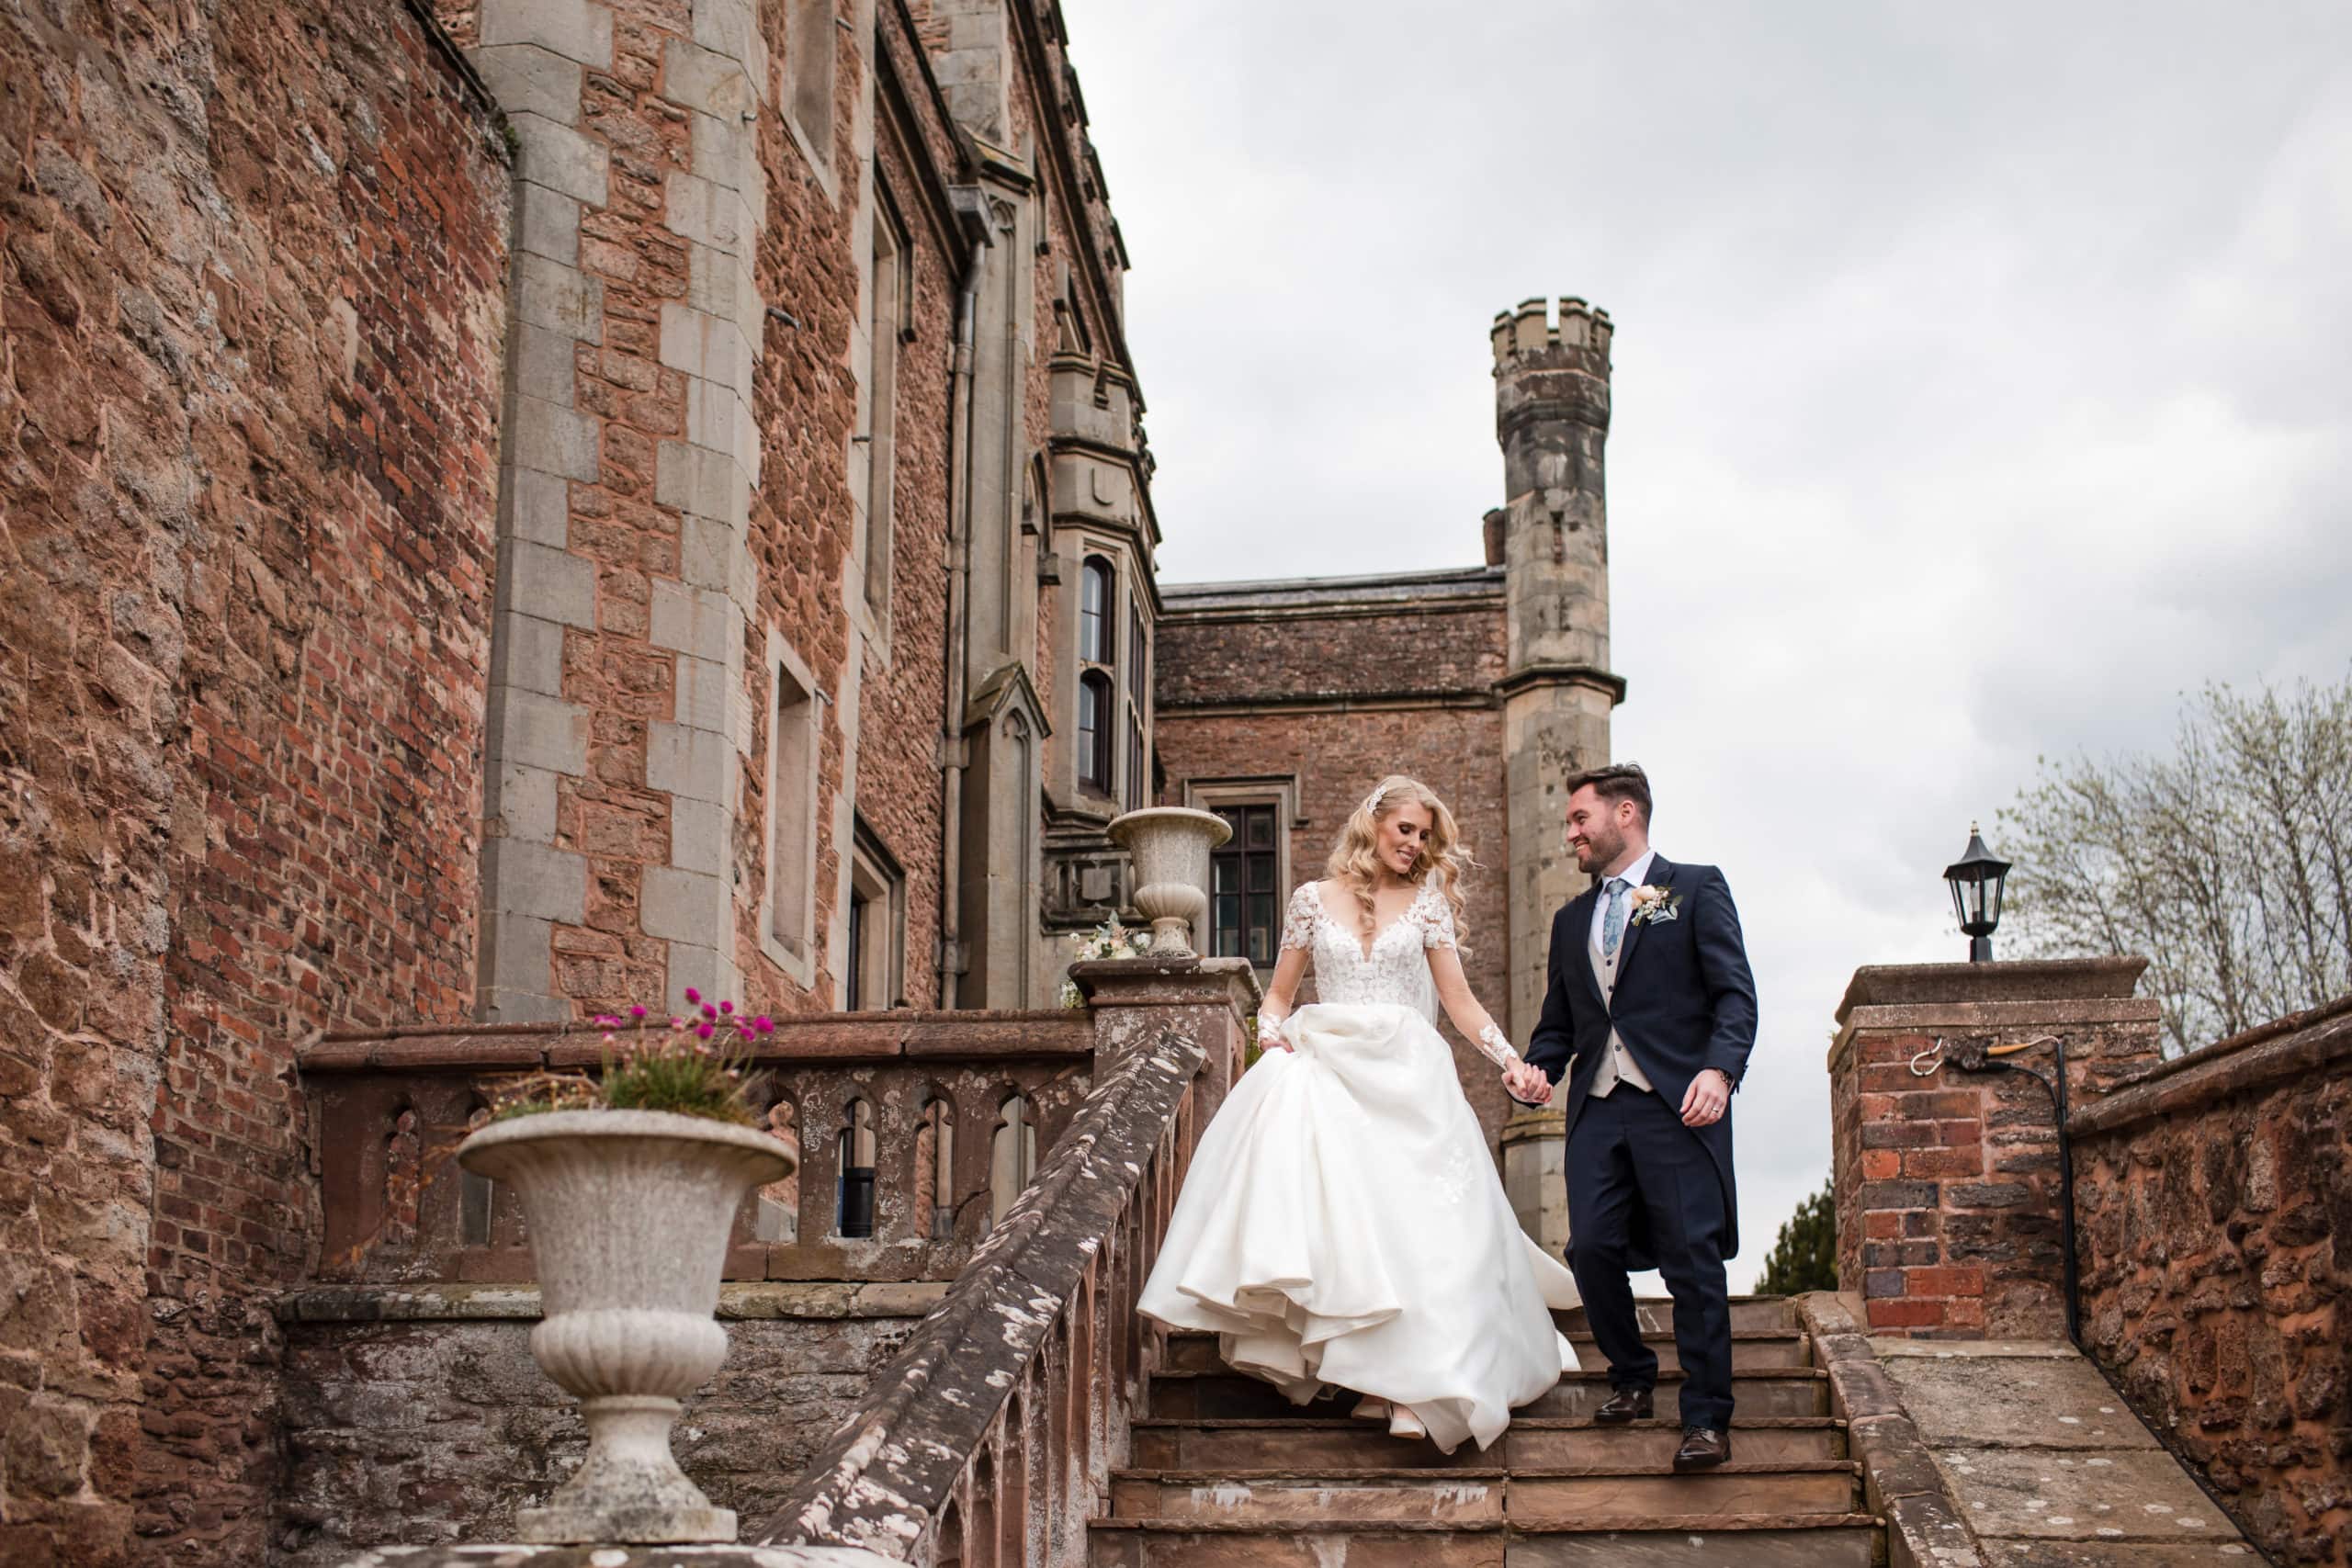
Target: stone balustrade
947 1111
989 1439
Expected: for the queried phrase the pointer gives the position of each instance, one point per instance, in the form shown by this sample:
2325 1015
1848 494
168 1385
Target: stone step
1592 1493
1750 1348
1193 1352
1750 1315
1697 1541
1758 1391
1336 1445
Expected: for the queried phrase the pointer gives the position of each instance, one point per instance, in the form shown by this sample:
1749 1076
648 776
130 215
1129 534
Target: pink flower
709 1010
693 995
727 1007
761 1023
637 1013
703 1030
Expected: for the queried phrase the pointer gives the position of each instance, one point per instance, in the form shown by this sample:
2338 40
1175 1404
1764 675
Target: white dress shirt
1634 876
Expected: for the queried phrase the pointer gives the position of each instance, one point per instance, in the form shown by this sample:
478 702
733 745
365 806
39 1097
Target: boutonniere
1653 905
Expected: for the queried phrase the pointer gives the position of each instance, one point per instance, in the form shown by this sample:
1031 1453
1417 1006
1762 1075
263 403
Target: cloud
1980 386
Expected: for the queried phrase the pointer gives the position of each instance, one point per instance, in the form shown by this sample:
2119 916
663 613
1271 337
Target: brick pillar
1948 1217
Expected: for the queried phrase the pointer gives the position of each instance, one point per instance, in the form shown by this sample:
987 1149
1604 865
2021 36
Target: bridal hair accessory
1371 807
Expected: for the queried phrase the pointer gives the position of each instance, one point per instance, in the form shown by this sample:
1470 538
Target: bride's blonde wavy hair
1355 858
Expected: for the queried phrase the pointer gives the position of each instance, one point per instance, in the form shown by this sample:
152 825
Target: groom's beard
1598 853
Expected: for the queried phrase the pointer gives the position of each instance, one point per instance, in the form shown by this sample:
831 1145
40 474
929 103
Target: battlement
1526 330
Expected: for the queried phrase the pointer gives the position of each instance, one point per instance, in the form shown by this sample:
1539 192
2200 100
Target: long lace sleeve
1298 924
1494 1047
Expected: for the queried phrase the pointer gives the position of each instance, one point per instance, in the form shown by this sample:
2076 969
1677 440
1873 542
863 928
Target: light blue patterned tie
1613 920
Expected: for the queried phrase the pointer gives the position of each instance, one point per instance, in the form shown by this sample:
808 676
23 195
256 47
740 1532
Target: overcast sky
1984 375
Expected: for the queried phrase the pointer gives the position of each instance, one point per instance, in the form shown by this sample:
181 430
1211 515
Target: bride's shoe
1403 1423
1370 1409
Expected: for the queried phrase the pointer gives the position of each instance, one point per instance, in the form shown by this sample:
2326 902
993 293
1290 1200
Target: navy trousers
1633 1148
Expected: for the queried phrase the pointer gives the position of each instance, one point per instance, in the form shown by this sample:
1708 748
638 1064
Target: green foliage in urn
693 1066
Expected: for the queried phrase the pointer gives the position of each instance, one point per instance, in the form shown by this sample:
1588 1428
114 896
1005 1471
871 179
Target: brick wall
252 264
1946 1181
2215 1196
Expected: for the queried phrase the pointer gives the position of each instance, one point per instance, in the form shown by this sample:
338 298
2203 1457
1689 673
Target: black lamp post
1976 878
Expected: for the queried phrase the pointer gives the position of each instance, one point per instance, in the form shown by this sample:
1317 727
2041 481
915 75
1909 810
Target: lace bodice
1397 971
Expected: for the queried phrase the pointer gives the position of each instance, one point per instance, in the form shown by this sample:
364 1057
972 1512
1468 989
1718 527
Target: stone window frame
873 971
1279 790
889 315
808 84
1135 701
795 955
1098 678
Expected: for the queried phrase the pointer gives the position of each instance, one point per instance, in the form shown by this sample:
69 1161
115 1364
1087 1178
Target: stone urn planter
1170 845
628 1213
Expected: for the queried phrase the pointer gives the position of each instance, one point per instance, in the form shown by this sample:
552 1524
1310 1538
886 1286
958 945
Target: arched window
855 1207
1094 731
1094 626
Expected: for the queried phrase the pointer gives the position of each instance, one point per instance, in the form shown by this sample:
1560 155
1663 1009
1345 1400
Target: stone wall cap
739 1301
502 1554
2296 1046
2011 980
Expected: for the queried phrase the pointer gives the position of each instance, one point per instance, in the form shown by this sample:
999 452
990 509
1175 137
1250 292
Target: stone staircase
1227 1472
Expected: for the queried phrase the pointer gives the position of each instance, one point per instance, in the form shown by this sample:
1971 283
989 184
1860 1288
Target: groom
1649 1009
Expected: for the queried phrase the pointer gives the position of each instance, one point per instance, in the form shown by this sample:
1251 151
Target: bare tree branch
2227 862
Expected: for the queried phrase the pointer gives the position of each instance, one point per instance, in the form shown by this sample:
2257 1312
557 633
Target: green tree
2227 864
1804 1257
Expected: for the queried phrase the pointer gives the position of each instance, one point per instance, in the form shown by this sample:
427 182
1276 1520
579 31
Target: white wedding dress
1342 1221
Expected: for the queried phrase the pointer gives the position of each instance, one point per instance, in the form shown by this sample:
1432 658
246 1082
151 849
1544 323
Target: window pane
1224 873
1261 828
1095 612
1261 912
1261 945
1261 874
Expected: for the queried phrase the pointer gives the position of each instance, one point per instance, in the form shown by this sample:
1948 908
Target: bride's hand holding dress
1342 1221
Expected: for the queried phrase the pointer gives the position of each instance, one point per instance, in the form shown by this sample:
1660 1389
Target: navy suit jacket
1684 1002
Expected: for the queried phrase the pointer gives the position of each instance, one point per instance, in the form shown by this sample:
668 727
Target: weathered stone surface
252 310
2216 1197
1961 1399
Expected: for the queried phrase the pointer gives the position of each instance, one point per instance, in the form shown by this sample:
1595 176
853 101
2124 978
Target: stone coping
1901 1482
2014 980
890 1469
510 1555
1990 1018
898 1036
748 1300
2316 1041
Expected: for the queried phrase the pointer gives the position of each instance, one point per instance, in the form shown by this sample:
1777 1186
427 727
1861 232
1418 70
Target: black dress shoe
1626 1405
1703 1448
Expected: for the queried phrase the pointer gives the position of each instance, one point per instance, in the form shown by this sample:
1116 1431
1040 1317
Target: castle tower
1551 418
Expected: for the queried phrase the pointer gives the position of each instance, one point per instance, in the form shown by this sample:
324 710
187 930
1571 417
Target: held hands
1527 1083
1710 1092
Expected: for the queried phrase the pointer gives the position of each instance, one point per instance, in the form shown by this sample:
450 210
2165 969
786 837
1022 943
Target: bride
1342 1221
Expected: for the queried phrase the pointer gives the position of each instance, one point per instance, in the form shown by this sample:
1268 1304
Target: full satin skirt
1342 1224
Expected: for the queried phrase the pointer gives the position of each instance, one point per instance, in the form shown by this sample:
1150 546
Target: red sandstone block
1947 1281
1940 1163
1883 1225
1878 1165
1905 1312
